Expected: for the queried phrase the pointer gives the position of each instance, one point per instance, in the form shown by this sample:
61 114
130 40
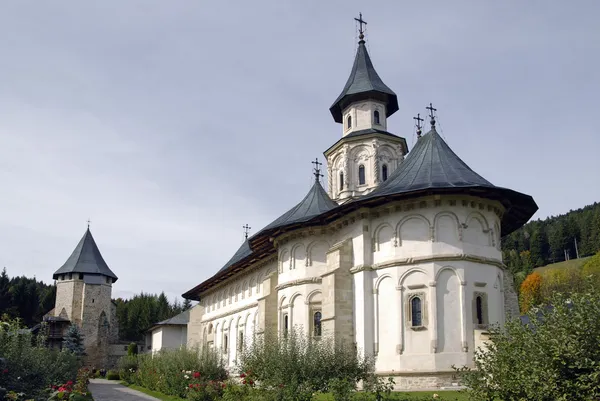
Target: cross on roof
317 170
361 22
418 120
431 115
246 230
88 222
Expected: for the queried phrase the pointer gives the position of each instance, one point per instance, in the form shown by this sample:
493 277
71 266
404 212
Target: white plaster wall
157 339
363 116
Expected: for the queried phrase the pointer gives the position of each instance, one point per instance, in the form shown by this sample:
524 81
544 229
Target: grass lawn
567 264
413 395
155 394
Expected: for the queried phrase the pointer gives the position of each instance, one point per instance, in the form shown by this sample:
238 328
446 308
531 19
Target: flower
436 396
191 385
70 383
243 375
186 376
196 375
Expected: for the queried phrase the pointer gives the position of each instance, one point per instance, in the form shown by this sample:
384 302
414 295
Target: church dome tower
367 153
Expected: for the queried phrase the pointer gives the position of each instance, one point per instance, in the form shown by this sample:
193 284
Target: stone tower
83 297
367 153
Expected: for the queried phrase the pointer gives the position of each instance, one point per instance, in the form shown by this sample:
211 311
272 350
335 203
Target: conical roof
363 83
86 258
432 167
315 202
243 252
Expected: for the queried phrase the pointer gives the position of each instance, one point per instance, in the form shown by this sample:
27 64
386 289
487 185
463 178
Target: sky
171 124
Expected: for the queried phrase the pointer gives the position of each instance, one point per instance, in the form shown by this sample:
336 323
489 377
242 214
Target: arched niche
413 229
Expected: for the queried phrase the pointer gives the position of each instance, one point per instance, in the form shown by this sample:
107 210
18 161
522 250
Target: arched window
210 329
361 175
341 180
384 172
376 117
416 315
285 324
479 308
317 324
349 122
225 343
241 341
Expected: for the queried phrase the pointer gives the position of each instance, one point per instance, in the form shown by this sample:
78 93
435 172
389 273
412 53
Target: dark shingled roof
432 167
86 258
178 320
315 202
243 252
363 83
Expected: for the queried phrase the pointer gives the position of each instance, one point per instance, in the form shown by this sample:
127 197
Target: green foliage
298 361
342 389
547 240
73 341
25 298
172 371
113 375
132 349
30 367
554 357
139 313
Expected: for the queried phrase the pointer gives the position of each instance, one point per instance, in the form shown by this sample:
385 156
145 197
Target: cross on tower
361 22
246 230
431 115
88 223
317 171
418 120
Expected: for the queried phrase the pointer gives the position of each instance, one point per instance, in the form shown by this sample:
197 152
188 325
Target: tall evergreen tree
5 297
73 341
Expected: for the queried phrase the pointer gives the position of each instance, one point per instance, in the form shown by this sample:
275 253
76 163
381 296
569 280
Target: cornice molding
231 312
427 259
293 283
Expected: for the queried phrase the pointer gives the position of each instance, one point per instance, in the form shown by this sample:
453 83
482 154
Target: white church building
400 255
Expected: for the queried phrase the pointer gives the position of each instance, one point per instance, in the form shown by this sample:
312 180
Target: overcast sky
170 124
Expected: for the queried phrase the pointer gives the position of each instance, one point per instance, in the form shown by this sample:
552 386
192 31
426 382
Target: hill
567 264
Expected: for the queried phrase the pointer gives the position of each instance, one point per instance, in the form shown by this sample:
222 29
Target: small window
349 122
225 341
70 276
341 180
285 324
416 313
92 300
108 280
384 172
80 276
376 117
317 324
479 307
210 329
361 175
241 341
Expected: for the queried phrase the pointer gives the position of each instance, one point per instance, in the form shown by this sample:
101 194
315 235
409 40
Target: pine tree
73 341
5 297
187 304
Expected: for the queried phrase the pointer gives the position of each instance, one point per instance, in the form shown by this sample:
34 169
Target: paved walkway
111 390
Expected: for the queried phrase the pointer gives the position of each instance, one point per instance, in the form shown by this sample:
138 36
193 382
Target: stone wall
511 299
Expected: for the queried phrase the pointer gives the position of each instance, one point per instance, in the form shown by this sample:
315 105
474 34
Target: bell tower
367 153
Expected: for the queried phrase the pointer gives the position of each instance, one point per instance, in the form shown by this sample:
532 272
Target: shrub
530 293
555 356
172 371
30 367
297 361
113 375
132 349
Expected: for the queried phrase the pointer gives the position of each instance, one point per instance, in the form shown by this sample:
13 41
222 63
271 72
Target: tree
530 294
555 356
187 304
5 297
73 341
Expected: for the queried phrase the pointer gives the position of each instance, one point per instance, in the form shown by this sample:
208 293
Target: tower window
384 172
376 117
80 276
285 324
225 340
317 324
479 307
70 276
349 122
361 175
416 313
341 180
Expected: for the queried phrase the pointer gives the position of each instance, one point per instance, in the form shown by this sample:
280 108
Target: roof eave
390 100
389 136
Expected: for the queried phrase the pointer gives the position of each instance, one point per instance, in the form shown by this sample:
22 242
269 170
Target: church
400 255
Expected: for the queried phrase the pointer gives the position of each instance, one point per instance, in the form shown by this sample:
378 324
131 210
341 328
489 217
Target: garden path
110 390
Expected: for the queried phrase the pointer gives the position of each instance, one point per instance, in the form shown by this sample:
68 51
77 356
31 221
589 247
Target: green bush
132 349
30 367
554 357
113 375
296 361
172 371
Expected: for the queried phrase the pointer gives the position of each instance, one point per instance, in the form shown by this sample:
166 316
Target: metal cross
88 222
317 171
246 230
418 120
361 22
431 110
